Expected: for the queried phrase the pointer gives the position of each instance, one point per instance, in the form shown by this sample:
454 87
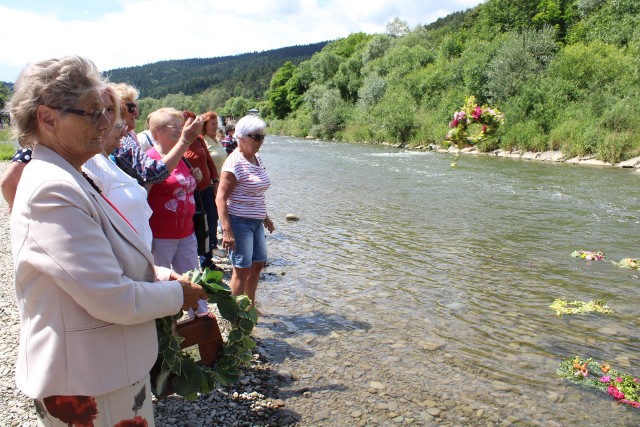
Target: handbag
200 223
201 229
202 339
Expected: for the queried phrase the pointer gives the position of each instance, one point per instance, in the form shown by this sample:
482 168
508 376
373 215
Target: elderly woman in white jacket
86 286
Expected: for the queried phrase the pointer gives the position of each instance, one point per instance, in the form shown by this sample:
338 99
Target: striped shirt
247 199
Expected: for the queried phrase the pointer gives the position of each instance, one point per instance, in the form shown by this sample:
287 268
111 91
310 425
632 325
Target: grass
7 150
7 146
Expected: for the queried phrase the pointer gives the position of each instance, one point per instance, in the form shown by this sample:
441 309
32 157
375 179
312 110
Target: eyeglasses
94 116
173 126
258 137
131 106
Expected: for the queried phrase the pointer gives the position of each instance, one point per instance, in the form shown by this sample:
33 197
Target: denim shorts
251 244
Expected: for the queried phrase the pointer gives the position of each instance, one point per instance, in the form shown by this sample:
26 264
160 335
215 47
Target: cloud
136 32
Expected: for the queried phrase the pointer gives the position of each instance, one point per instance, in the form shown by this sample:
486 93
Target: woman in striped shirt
242 208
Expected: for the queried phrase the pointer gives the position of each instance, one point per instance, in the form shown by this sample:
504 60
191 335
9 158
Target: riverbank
545 156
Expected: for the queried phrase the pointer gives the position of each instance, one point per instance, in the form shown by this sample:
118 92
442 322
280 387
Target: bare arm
9 181
228 183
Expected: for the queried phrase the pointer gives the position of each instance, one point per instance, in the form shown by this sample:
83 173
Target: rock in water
292 217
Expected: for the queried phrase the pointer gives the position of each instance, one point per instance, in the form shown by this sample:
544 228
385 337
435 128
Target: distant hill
245 75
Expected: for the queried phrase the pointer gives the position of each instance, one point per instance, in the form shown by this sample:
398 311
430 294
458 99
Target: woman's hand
191 293
228 240
268 224
197 174
192 129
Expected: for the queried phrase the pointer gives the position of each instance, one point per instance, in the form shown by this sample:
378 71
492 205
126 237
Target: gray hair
249 124
54 82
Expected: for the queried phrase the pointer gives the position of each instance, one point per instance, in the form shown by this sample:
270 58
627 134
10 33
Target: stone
431 345
377 385
500 386
434 412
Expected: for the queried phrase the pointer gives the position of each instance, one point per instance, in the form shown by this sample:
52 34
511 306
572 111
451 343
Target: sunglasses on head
131 106
258 137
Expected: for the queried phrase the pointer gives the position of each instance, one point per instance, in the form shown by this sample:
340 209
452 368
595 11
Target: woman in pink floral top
174 241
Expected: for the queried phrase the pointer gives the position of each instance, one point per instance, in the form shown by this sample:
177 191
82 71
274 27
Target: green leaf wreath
576 307
178 372
630 263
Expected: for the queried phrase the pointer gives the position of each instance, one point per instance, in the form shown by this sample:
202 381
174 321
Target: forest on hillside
202 84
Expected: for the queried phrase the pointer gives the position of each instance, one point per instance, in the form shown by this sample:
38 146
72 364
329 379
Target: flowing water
409 281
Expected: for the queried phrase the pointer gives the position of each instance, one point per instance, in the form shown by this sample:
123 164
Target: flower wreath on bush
473 124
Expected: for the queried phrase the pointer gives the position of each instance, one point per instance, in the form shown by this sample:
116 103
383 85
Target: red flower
453 123
617 394
138 421
484 129
476 113
76 411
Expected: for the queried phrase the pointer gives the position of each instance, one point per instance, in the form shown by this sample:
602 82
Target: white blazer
85 285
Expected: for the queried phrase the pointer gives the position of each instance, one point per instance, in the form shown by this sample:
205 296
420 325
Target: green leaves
576 307
179 373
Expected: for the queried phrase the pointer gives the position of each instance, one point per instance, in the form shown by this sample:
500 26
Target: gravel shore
252 402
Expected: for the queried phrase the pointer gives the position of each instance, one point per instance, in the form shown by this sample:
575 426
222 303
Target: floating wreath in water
576 307
588 255
622 387
473 124
179 373
631 263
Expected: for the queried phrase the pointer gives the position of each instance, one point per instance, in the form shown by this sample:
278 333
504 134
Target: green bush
524 135
593 67
396 115
622 116
615 147
431 128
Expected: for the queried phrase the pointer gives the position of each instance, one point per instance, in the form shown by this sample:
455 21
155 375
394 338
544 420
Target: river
414 292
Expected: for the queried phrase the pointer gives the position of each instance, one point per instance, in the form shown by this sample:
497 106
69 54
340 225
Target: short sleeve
23 155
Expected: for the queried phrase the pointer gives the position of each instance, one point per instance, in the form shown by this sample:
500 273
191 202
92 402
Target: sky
125 33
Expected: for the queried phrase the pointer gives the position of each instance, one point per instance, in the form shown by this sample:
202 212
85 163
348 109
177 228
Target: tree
397 28
396 115
298 84
522 55
5 95
510 15
329 110
278 92
237 107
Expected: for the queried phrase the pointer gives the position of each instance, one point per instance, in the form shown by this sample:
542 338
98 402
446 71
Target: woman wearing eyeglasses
131 158
86 287
174 242
121 189
242 207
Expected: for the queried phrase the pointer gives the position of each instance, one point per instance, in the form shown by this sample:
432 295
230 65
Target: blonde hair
163 117
117 106
125 91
